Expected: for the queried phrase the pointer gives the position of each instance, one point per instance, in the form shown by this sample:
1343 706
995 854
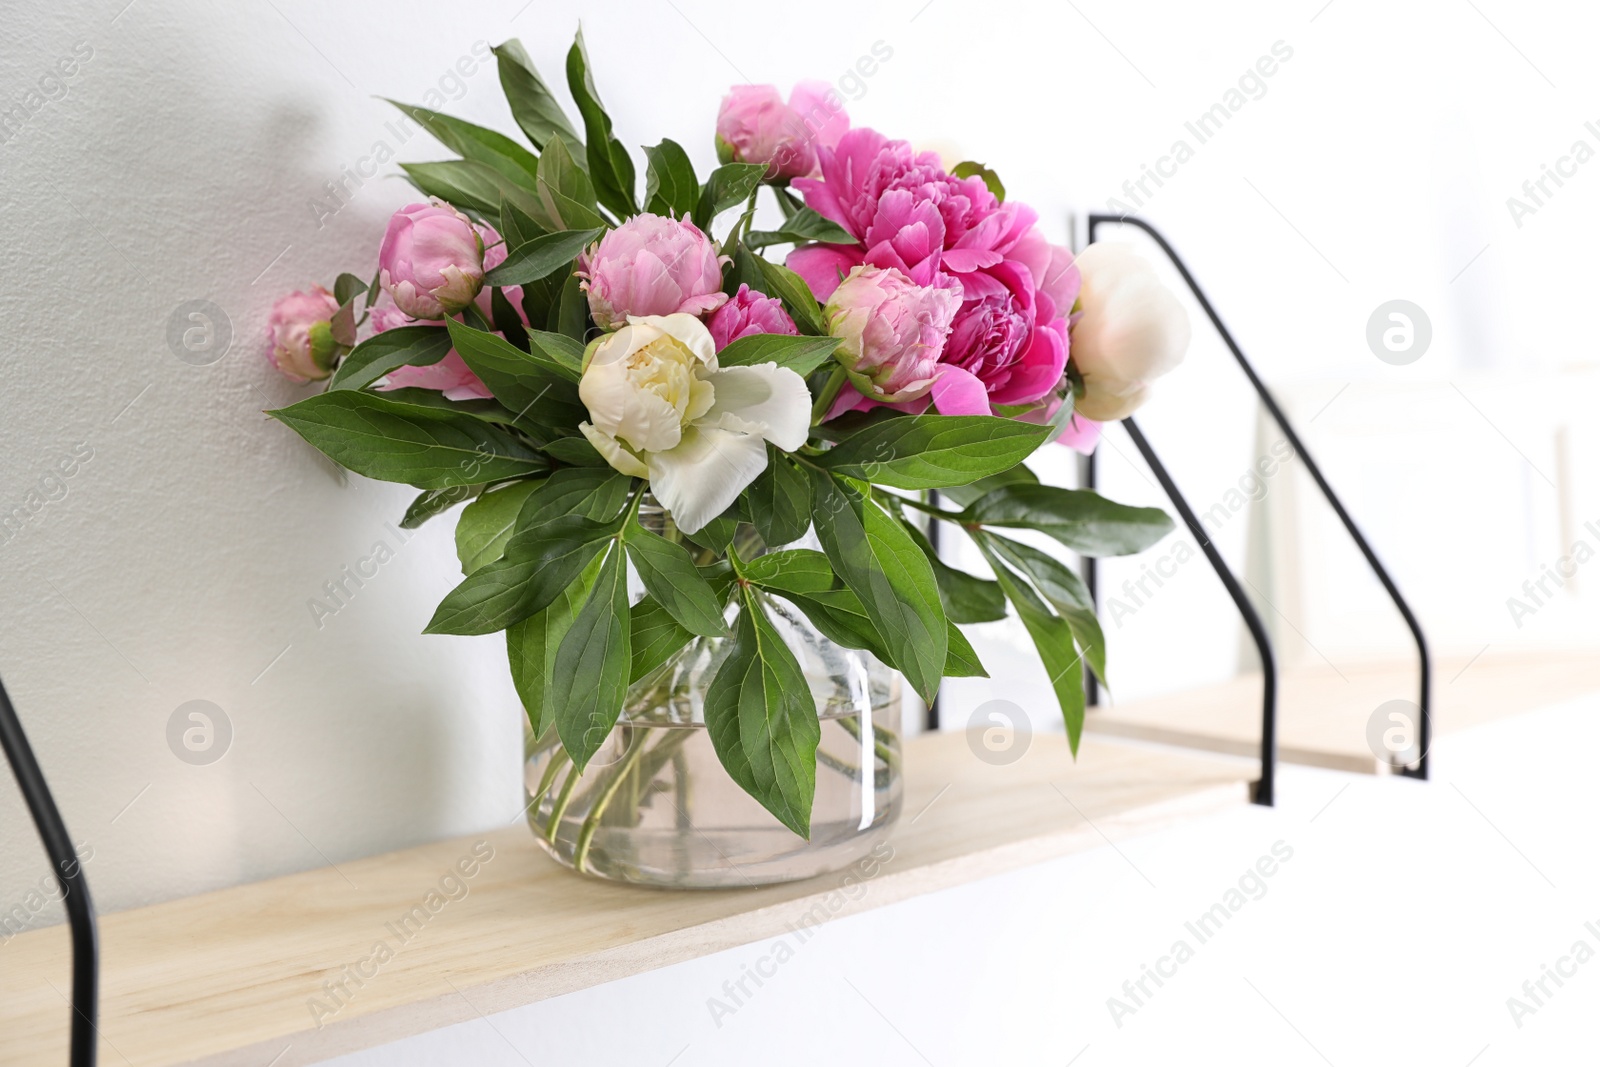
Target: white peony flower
662 409
1132 331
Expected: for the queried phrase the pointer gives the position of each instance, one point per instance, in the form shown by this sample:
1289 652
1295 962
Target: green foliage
933 451
398 442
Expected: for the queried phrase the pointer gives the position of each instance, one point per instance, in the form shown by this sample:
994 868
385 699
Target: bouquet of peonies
544 344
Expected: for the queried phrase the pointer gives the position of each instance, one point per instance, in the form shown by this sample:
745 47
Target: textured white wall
182 162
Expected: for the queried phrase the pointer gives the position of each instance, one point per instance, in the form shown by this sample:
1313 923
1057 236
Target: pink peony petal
822 265
1040 368
959 392
1081 434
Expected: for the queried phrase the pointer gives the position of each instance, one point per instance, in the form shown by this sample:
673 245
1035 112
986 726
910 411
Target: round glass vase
656 807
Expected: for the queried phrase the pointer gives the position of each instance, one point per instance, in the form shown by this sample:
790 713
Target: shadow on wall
174 573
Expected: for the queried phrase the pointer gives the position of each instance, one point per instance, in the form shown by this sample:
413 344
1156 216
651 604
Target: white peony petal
766 393
620 408
614 452
687 329
706 472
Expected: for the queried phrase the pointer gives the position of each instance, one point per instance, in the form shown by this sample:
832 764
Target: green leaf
655 637
531 647
529 383
719 531
488 410
838 615
592 666
789 287
966 597
968 168
799 354
804 225
962 495
587 492
538 563
565 191
780 499
1053 639
670 186
792 570
487 523
878 560
1081 519
517 226
403 346
477 143
729 185
933 451
763 720
745 270
538 298
541 257
506 319
470 186
396 442
347 287
574 451
572 313
436 501
669 575
532 104
963 661
565 352
1064 590
609 163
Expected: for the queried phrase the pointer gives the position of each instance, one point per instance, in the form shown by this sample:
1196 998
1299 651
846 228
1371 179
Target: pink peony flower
431 260
756 126
894 331
749 312
304 341
651 265
1008 342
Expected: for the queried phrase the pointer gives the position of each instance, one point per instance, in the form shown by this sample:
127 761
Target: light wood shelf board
228 978
1323 713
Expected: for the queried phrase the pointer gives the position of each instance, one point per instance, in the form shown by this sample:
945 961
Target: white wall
181 165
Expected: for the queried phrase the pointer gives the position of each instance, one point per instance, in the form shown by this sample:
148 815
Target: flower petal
1081 434
699 479
614 452
821 266
959 392
1039 369
773 396
686 329
619 408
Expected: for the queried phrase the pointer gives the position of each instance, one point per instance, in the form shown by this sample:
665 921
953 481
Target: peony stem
830 393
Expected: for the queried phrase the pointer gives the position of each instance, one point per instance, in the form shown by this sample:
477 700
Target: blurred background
163 542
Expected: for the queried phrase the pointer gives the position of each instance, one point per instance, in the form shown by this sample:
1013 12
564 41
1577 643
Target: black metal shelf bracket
1087 471
1262 792
68 871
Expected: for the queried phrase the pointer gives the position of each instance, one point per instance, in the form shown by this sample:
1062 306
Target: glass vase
655 806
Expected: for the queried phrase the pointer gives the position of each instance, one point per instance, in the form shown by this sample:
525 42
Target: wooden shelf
1323 713
231 977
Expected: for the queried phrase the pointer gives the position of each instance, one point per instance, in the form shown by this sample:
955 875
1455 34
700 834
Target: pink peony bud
305 344
749 312
431 260
894 330
651 265
756 126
